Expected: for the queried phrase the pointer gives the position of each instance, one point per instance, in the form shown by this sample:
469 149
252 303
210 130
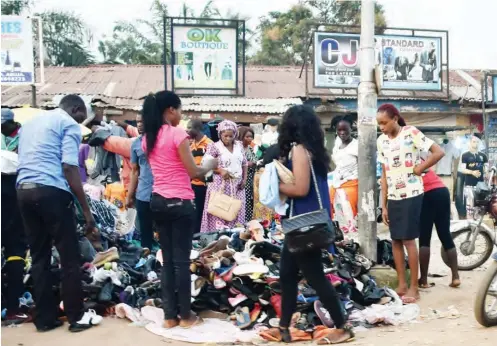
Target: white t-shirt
345 160
400 155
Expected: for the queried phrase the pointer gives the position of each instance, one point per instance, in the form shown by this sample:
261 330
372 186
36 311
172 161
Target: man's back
46 142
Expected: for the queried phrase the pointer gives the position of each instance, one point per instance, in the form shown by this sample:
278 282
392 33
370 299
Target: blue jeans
175 220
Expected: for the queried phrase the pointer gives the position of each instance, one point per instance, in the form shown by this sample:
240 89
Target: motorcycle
468 233
486 297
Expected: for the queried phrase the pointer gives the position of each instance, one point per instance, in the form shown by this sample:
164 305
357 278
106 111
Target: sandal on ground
335 337
426 286
272 334
198 321
409 300
455 283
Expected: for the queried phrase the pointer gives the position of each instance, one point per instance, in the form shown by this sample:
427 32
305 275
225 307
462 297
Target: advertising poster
411 63
336 60
17 63
204 57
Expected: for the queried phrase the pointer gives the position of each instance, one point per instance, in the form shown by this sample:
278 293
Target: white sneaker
89 319
101 275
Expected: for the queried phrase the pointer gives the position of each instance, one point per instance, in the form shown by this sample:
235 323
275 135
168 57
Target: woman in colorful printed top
399 150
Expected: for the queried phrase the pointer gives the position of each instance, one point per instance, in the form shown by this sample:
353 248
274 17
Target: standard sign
406 62
204 57
17 65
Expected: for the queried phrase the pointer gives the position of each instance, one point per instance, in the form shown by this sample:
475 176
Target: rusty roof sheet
124 86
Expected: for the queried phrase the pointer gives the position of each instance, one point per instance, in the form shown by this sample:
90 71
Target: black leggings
436 211
312 269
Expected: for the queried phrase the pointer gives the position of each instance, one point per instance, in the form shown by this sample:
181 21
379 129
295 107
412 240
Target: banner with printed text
204 57
17 62
406 62
411 63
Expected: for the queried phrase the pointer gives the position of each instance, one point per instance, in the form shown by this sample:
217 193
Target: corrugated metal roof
124 86
216 104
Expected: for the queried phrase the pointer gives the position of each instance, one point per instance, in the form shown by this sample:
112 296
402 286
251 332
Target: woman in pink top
173 208
436 211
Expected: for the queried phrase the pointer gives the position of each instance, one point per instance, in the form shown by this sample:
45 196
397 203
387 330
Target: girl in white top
344 188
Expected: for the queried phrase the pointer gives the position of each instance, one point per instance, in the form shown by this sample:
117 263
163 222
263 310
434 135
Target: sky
471 24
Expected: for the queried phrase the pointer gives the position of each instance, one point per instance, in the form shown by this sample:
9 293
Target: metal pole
33 96
367 106
164 31
484 114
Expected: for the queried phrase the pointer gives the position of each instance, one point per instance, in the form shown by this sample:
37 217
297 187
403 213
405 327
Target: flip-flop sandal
409 300
198 321
426 286
272 334
455 285
328 340
243 320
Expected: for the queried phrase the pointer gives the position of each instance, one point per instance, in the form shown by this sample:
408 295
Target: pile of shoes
233 271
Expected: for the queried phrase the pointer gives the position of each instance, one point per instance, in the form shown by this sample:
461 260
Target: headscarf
226 125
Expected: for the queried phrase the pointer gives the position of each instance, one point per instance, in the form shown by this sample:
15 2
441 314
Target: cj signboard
406 62
17 64
204 57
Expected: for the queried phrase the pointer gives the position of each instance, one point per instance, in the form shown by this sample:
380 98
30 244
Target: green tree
284 36
15 7
65 39
339 13
139 42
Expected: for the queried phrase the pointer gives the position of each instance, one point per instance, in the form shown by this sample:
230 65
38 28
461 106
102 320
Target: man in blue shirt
140 187
48 172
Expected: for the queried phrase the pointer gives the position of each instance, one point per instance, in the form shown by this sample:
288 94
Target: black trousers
312 269
144 214
436 211
175 219
13 241
48 215
200 192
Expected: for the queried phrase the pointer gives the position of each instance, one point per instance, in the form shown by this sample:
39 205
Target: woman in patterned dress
231 175
246 136
399 151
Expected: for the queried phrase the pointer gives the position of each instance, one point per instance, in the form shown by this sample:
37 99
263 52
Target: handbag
309 231
285 175
223 206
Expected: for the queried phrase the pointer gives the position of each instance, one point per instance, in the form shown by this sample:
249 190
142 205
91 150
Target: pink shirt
171 179
431 181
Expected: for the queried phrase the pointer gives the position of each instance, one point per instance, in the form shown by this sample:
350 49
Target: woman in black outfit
301 135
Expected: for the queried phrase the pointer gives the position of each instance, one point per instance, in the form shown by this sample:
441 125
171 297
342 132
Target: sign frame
240 59
385 87
27 28
314 36
351 92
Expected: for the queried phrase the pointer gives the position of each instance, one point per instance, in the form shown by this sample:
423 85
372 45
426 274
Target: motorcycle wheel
489 281
474 263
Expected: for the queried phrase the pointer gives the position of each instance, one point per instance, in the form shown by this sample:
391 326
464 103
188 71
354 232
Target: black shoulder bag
309 231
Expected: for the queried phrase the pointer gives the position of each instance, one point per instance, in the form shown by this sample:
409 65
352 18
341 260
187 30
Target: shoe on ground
47 328
89 319
18 318
106 256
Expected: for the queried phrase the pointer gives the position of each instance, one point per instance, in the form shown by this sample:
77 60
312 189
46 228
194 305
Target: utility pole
366 124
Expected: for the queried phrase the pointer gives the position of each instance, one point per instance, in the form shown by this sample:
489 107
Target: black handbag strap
313 177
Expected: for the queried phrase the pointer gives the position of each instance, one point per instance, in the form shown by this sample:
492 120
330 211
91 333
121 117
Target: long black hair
153 110
301 125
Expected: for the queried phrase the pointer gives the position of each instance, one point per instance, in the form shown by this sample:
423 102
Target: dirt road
459 330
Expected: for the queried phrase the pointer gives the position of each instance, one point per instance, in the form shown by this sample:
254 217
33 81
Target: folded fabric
269 191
